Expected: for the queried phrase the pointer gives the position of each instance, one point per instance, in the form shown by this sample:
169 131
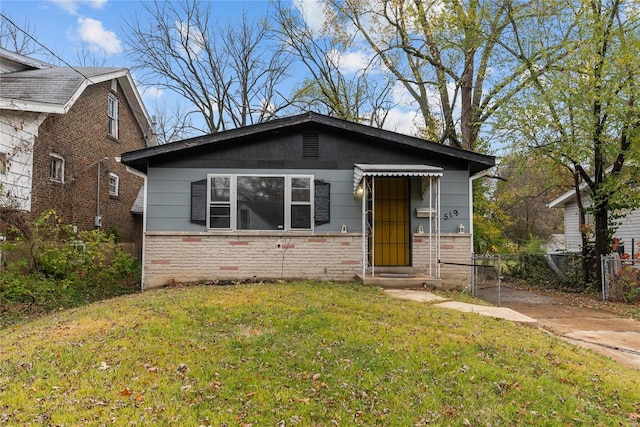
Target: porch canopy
362 170
361 181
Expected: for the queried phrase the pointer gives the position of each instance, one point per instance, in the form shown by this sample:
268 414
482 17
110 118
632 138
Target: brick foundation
190 257
260 256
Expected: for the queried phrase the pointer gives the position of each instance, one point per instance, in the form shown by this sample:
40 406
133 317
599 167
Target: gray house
310 197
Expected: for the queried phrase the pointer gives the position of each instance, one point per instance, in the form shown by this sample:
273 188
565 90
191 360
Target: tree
528 182
16 38
172 123
464 54
584 114
356 95
231 75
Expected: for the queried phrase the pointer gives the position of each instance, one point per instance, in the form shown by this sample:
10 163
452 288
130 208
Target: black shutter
322 202
199 202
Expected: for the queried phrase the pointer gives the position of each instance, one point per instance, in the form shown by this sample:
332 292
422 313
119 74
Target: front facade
306 197
61 133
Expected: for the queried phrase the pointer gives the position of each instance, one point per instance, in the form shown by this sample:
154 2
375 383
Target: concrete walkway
604 333
497 312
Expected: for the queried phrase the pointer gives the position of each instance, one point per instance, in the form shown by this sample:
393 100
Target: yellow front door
391 235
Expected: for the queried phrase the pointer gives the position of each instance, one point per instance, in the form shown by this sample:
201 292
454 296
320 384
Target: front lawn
299 354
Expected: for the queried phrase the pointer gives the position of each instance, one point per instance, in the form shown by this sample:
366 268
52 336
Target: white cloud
92 32
196 39
152 93
313 13
349 62
403 121
72 6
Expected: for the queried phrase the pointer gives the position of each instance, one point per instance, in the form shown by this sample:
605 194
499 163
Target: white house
628 230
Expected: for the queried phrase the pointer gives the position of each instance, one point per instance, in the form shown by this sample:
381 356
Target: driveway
605 333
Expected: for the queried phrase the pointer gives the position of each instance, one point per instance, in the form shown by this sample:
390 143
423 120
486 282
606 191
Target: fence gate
486 278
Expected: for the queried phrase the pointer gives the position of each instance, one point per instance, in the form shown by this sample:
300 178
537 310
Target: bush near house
51 267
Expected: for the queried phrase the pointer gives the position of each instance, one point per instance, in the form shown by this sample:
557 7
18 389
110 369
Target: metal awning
362 170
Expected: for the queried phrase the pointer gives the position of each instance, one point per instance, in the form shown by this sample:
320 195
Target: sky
66 27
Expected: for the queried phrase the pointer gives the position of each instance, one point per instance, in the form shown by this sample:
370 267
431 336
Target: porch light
343 229
461 228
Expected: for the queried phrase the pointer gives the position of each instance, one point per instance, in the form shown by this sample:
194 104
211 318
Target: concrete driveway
605 333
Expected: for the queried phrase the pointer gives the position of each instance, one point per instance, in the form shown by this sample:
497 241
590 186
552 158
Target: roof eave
36 107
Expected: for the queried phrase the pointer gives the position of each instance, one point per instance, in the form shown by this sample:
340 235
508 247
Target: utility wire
43 46
3 16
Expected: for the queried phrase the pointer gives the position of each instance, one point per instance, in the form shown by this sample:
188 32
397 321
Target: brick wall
194 257
80 136
454 248
189 257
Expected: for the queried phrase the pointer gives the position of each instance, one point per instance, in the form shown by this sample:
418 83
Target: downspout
98 196
471 179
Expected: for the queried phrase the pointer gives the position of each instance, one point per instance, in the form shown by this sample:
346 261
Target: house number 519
451 214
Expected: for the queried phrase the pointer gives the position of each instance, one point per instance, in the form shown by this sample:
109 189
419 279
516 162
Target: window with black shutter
322 202
199 202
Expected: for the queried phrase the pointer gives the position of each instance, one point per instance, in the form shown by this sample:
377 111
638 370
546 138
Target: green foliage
489 222
531 267
63 270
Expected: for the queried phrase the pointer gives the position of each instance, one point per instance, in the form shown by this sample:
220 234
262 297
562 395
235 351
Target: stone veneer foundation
191 257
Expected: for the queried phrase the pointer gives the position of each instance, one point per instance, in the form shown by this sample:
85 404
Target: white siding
17 136
628 230
572 240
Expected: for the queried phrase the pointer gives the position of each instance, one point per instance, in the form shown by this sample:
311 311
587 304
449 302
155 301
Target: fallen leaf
125 392
315 377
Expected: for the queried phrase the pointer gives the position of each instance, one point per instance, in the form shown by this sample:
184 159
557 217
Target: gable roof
140 159
15 61
56 89
569 196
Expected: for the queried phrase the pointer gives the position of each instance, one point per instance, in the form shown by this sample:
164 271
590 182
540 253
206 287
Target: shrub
60 269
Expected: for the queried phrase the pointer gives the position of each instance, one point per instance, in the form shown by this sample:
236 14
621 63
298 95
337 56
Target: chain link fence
487 278
620 279
561 271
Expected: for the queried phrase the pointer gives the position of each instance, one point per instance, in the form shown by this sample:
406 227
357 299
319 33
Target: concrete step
399 281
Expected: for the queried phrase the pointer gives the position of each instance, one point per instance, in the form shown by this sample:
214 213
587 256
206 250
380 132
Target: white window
3 163
114 184
113 115
260 202
56 167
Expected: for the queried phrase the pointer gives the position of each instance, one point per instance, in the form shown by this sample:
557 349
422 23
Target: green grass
304 353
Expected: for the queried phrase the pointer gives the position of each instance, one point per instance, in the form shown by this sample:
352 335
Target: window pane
260 202
219 217
300 195
220 189
301 216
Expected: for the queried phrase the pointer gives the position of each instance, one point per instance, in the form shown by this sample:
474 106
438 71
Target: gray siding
169 198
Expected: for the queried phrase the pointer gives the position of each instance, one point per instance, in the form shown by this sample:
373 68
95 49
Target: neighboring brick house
62 130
